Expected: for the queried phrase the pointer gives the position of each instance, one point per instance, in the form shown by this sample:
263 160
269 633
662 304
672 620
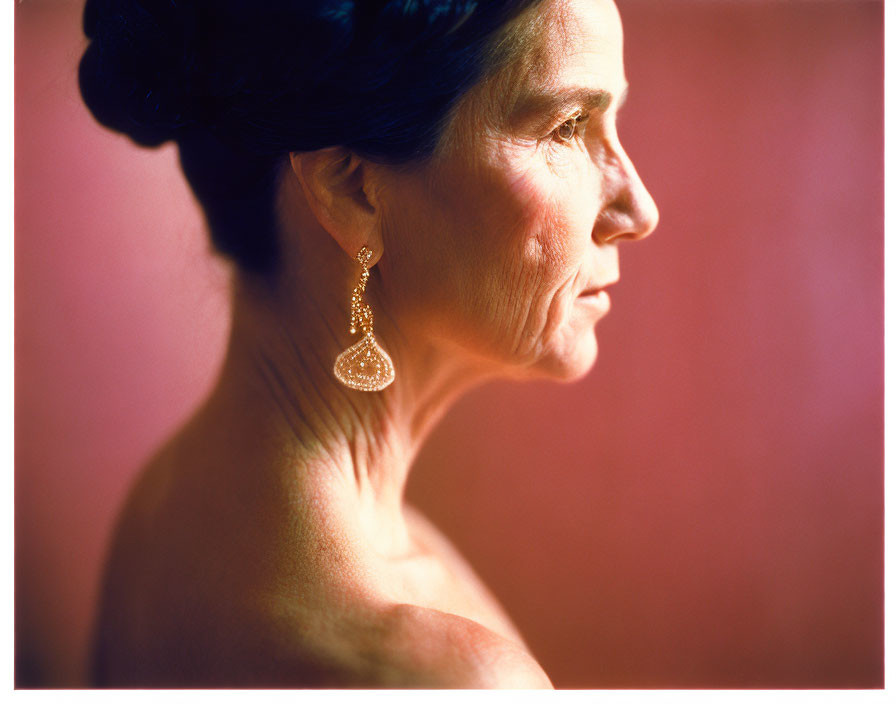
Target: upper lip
591 290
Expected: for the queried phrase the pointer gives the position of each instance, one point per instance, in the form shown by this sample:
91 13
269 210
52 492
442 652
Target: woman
463 157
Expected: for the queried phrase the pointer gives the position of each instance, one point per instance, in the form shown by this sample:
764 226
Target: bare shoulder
431 648
240 611
406 646
433 540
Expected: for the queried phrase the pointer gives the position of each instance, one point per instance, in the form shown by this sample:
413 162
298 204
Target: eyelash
574 123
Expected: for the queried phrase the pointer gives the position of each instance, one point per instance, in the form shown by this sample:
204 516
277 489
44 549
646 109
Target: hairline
514 43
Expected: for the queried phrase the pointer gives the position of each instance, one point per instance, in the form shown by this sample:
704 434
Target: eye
566 131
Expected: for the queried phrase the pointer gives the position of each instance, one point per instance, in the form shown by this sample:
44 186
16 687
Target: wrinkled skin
525 219
268 542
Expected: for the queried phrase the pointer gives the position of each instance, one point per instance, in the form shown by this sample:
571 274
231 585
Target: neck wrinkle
358 446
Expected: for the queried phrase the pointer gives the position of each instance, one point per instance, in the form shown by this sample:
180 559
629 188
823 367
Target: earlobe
337 185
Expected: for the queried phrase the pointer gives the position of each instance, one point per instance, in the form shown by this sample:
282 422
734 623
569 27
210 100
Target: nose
629 212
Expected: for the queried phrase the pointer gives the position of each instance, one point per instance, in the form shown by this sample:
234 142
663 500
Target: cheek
537 222
559 212
487 249
524 243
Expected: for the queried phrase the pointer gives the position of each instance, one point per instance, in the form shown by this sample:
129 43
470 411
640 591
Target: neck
351 450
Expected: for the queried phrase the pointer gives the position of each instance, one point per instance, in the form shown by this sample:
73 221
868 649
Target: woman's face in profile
503 241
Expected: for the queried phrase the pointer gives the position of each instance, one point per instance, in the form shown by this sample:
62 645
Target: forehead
561 48
572 42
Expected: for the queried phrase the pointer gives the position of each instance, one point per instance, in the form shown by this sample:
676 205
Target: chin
568 363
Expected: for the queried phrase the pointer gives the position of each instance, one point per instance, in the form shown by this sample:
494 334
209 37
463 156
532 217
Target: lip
596 289
597 299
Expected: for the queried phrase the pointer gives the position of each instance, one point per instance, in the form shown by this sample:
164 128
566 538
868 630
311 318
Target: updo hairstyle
238 84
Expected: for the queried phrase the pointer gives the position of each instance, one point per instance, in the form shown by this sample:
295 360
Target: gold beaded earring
364 366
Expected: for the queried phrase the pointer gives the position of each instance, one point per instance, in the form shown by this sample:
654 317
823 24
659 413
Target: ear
338 186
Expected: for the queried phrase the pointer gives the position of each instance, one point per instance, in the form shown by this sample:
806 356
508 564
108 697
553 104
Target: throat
347 452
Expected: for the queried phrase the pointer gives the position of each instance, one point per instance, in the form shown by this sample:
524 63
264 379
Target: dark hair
239 84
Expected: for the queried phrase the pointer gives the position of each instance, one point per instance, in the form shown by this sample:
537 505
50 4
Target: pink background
704 510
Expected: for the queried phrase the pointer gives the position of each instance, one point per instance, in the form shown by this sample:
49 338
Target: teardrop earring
364 366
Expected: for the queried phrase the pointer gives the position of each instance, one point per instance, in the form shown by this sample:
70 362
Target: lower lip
599 301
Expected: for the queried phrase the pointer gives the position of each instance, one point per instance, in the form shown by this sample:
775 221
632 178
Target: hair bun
132 75
238 84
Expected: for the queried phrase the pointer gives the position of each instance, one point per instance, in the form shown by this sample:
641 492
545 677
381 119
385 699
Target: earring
364 366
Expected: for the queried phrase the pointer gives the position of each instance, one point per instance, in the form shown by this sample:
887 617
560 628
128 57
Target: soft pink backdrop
704 510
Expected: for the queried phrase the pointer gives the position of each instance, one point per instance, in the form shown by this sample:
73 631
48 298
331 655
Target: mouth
596 297
598 288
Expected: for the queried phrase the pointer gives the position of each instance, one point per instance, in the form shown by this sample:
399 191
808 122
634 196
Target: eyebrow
564 100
